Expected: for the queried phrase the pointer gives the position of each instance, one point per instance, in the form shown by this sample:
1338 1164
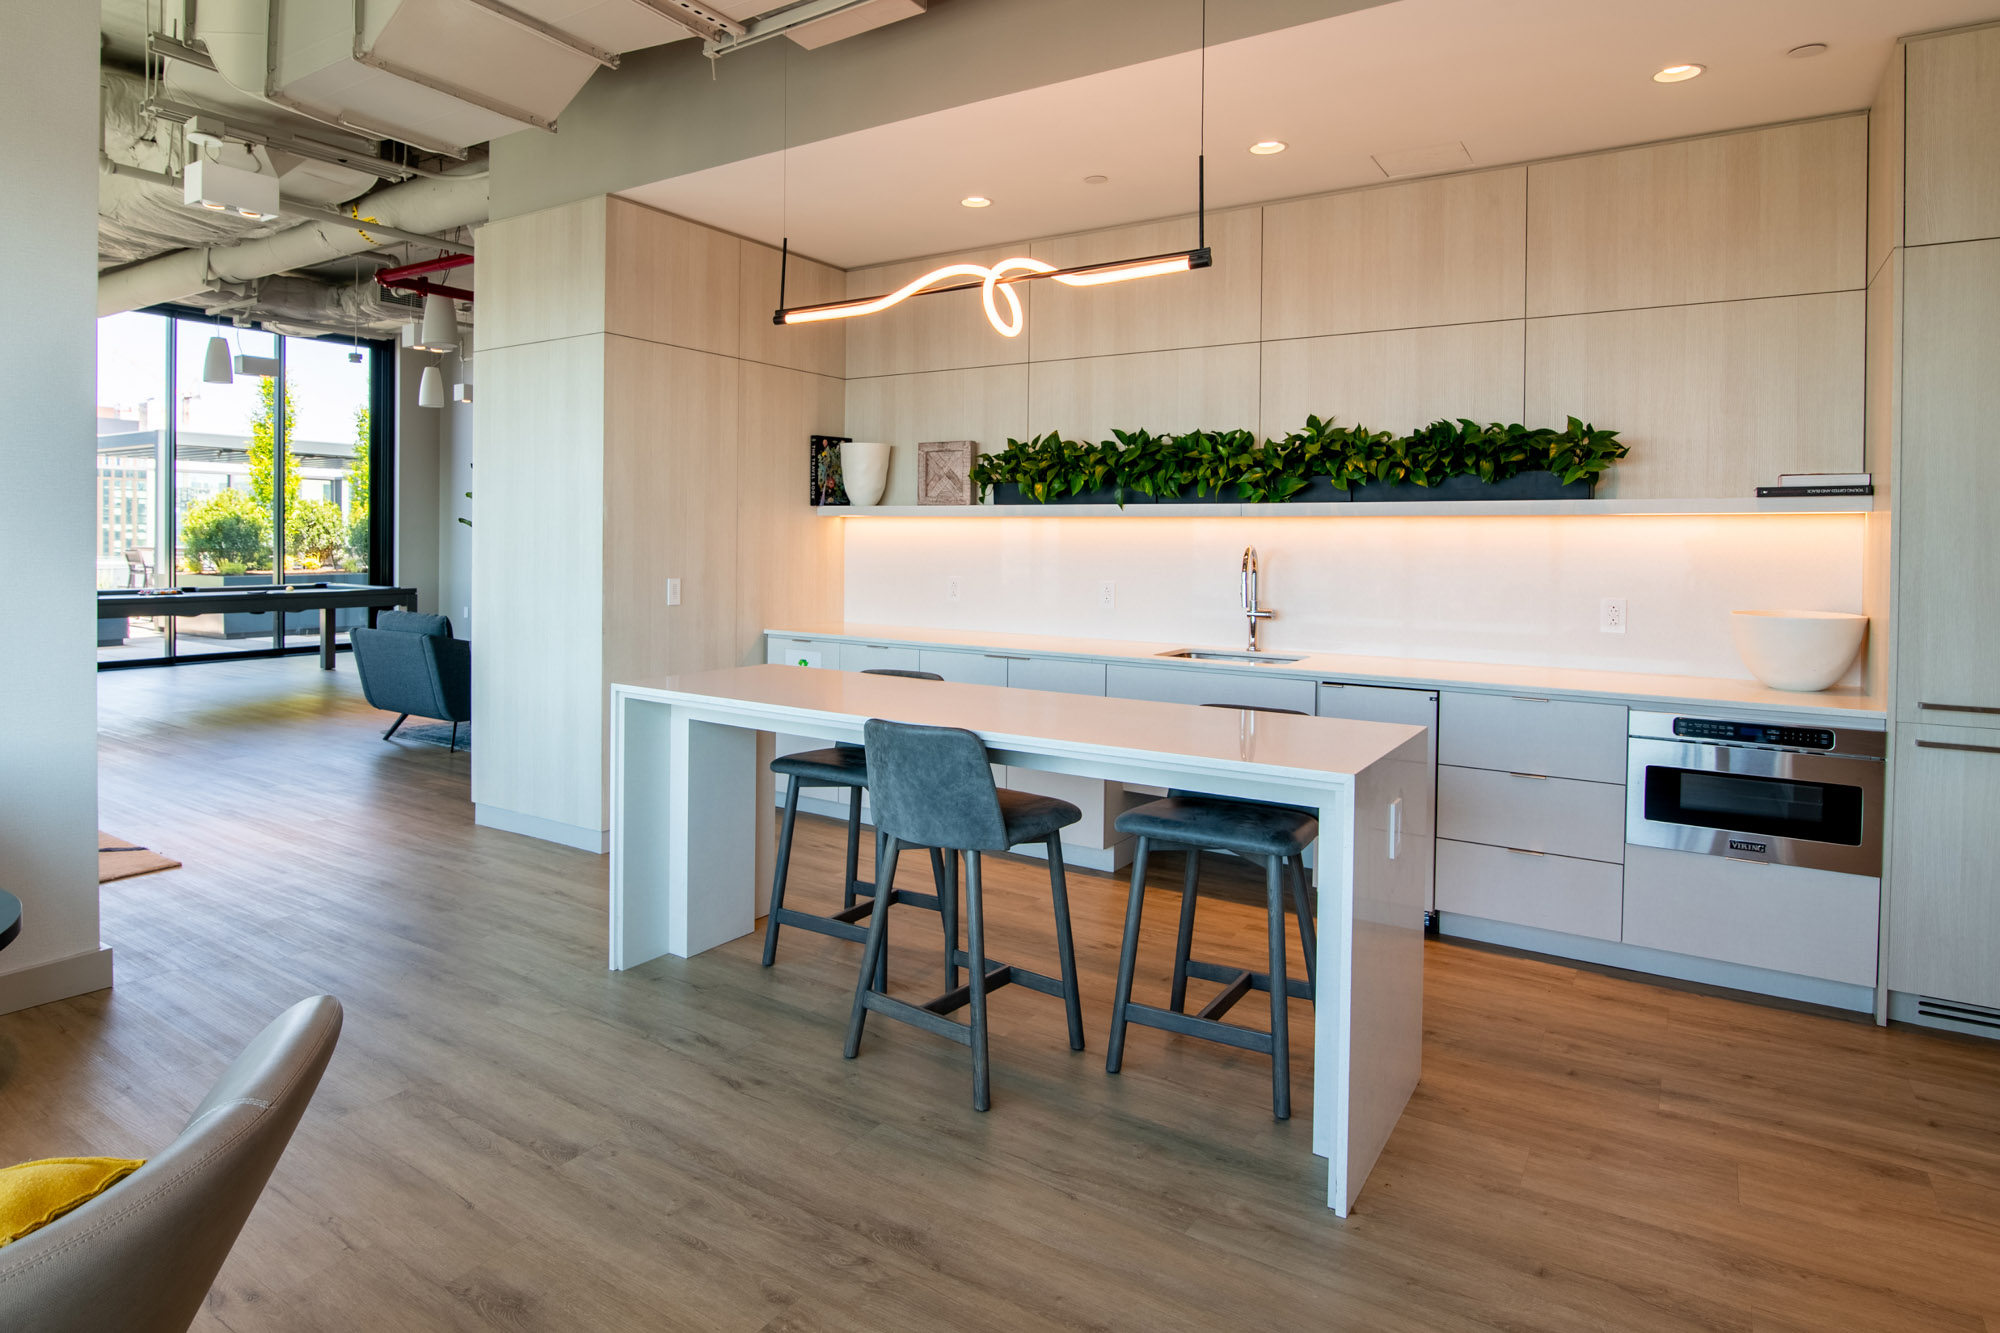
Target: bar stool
1274 834
839 766
932 787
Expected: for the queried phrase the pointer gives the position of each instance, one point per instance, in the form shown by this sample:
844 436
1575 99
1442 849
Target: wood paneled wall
1703 296
639 420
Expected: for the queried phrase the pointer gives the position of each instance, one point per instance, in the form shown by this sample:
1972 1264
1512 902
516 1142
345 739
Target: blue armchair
409 663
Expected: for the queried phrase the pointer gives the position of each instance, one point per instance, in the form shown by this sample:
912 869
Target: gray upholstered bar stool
839 766
932 787
1277 836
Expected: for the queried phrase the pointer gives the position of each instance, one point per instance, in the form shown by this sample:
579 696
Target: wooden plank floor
511 1137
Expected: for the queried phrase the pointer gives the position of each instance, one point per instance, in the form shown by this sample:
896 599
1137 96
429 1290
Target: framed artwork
827 488
944 472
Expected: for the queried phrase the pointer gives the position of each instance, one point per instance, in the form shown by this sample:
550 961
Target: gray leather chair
409 663
933 787
140 1257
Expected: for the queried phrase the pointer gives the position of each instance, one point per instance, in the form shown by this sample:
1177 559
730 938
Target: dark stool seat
1249 829
933 787
1276 835
1032 818
843 767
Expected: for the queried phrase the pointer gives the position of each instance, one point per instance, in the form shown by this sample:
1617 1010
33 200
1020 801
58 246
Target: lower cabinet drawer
1561 893
1535 814
1811 923
966 668
1184 685
868 656
1061 674
785 650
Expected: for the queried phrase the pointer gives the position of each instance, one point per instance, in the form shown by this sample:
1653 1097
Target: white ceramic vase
864 470
1798 650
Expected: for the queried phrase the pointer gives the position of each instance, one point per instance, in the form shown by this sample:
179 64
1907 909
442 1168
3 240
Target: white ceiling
1514 80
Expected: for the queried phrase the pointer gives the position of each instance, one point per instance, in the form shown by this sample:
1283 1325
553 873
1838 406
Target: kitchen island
689 782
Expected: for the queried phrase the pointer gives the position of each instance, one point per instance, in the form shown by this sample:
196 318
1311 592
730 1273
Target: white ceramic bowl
864 470
1798 650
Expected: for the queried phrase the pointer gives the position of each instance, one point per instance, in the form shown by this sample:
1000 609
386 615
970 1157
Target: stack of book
1820 483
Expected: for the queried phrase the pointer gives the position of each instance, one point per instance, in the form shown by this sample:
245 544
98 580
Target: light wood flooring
511 1137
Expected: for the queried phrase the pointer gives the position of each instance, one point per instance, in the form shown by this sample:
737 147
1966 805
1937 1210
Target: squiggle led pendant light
999 279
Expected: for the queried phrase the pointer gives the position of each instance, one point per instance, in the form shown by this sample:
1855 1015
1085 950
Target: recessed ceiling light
975 201
1095 180
1808 50
1678 73
1266 147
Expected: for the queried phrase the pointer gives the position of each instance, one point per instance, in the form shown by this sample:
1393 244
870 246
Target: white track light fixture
440 331
215 363
430 388
224 189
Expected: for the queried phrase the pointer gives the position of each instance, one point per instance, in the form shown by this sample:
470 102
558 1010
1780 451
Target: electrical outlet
1611 615
673 592
1107 595
954 587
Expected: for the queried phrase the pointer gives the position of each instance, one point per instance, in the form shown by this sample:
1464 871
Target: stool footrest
1193 1025
841 927
916 1016
1259 981
1230 994
1034 981
953 1000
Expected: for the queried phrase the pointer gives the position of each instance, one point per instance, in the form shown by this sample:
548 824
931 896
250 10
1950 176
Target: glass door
231 484
134 547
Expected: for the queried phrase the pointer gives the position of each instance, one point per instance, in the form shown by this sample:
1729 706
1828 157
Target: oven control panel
1753 733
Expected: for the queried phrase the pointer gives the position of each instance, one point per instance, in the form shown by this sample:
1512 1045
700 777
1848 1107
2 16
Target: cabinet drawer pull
1532 777
1523 851
1004 657
1958 745
1526 699
1958 708
798 640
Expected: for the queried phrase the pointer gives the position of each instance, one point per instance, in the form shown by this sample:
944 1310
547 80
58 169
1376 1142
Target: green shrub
227 527
315 532
357 540
230 567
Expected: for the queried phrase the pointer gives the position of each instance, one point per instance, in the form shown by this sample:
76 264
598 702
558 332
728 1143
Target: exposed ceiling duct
425 206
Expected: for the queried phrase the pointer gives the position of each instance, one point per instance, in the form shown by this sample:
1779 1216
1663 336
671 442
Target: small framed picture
827 487
944 472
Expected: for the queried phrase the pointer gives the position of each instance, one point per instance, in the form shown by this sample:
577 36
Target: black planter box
1525 486
1006 493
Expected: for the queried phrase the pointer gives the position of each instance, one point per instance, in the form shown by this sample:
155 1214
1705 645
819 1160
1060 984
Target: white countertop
1845 704
1210 739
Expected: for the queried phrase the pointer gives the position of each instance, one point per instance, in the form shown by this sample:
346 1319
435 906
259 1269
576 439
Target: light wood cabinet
1944 911
1810 923
1948 561
1952 176
1525 888
1554 738
1532 813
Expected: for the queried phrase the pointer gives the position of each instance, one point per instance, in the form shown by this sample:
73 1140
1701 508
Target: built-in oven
1757 791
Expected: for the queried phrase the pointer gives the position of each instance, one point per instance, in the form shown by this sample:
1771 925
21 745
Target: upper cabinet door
1952 174
1948 580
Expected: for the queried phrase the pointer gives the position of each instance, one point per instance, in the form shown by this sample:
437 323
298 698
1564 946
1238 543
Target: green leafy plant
227 526
230 567
315 532
357 539
1050 467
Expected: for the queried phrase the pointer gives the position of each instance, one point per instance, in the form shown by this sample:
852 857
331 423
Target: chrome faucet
1251 611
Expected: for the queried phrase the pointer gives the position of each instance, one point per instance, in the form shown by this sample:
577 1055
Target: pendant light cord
1201 144
785 179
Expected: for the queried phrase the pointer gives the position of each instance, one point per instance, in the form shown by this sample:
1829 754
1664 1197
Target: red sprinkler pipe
406 277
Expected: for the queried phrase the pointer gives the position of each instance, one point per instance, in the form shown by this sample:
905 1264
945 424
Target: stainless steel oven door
1819 811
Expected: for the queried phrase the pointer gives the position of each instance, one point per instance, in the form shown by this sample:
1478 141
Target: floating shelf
1845 504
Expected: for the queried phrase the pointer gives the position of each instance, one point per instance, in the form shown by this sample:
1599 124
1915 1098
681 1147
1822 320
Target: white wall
417 450
454 460
1501 589
48 677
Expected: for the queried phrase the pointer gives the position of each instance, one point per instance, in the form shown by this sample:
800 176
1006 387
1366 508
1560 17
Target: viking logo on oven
1745 845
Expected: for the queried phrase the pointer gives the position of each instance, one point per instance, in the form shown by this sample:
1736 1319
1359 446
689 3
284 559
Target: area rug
121 858
437 733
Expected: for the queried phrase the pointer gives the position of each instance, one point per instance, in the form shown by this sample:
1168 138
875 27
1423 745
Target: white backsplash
1500 589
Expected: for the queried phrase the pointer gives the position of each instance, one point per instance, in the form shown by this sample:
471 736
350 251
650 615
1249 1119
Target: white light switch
673 592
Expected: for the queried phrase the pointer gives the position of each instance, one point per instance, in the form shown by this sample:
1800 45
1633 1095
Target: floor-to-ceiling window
263 476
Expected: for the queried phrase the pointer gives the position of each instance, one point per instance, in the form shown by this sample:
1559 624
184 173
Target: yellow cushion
34 1194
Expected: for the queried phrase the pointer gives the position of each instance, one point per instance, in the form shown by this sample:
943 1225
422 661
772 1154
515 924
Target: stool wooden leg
1066 953
853 846
944 870
885 871
871 956
1184 943
778 875
1308 933
975 929
1281 1049
1127 955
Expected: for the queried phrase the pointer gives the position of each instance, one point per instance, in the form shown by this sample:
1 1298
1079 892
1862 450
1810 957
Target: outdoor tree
357 468
263 444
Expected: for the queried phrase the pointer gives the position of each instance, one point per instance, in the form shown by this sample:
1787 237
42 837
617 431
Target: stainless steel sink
1206 655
